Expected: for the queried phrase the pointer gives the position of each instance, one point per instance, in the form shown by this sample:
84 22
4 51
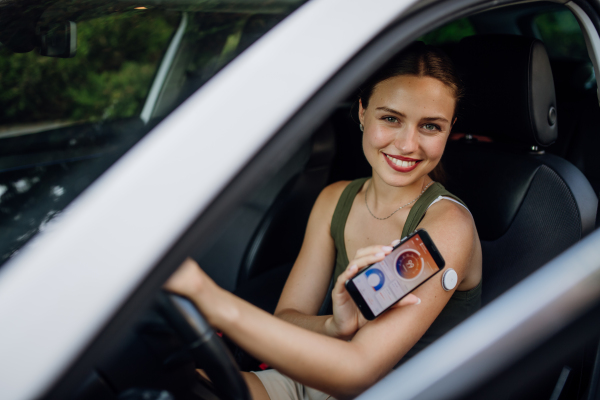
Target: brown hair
419 60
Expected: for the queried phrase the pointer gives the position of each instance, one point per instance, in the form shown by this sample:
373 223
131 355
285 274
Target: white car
134 134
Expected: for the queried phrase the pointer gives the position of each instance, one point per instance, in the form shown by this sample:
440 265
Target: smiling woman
420 61
425 125
406 111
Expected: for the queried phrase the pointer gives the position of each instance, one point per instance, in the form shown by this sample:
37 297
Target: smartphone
381 285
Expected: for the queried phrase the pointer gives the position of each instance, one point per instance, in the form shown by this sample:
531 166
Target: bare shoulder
334 190
453 230
450 215
329 197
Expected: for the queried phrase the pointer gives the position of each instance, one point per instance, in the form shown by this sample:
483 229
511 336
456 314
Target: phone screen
405 268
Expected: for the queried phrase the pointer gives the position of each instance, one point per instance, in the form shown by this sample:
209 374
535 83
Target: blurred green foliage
561 34
119 53
109 77
449 33
558 29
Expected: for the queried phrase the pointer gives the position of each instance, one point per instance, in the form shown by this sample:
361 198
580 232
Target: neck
385 198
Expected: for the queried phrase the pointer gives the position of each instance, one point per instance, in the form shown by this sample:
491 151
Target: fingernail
387 248
380 254
395 242
353 267
418 301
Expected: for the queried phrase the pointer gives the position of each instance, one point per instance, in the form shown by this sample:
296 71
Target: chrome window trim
91 259
592 40
163 70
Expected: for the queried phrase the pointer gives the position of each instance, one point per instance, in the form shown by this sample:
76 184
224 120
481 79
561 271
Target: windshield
82 81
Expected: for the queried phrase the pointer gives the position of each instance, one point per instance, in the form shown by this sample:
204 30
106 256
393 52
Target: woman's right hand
347 318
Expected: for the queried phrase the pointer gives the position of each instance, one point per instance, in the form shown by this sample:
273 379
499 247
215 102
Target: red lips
401 157
400 168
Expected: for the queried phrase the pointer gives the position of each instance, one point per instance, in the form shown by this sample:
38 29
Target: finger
372 250
349 272
368 260
340 286
355 267
409 300
395 243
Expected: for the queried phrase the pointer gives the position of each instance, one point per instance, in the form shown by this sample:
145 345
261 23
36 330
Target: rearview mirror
59 40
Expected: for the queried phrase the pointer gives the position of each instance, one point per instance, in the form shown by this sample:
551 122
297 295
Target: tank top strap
417 212
338 221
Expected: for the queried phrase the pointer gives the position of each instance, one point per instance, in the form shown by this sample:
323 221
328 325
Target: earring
362 128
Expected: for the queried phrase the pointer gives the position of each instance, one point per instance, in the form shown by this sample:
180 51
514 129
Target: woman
406 113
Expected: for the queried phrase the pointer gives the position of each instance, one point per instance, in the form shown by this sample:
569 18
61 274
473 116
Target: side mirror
58 40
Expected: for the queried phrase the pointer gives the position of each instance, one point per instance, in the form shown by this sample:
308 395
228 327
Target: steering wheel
205 346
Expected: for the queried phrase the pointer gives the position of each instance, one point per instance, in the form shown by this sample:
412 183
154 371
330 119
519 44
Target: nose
407 140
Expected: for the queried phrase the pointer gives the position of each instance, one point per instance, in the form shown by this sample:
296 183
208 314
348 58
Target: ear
361 112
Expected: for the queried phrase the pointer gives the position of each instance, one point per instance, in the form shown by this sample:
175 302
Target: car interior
521 156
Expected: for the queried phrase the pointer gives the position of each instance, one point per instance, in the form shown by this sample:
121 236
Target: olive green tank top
462 303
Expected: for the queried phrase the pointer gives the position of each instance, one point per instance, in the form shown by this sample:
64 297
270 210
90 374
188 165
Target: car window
108 78
449 33
560 32
82 81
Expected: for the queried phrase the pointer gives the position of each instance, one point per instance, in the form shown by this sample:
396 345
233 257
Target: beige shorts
280 387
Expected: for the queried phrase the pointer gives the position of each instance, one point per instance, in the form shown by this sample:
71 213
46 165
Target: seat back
279 236
528 206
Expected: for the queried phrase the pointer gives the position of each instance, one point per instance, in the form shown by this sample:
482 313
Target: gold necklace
399 208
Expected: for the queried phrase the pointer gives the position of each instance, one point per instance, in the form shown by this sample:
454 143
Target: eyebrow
392 111
435 119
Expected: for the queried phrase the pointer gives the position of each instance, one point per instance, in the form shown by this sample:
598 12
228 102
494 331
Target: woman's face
406 126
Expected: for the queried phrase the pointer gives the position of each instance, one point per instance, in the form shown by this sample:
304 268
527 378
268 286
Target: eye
431 127
390 119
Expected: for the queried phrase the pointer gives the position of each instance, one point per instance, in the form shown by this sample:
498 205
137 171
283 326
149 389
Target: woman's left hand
347 318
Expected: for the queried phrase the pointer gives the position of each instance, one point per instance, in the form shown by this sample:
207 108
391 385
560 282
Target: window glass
449 33
561 34
109 77
81 81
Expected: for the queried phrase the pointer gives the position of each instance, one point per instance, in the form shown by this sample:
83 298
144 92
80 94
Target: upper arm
306 287
385 340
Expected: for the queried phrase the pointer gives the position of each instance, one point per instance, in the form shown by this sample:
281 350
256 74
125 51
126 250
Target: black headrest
509 89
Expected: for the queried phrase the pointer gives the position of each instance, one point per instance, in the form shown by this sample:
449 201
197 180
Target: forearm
322 324
331 365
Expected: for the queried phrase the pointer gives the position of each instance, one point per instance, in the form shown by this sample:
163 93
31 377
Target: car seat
528 205
276 242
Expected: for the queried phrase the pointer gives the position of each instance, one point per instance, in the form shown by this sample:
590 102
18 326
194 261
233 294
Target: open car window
452 32
83 81
561 33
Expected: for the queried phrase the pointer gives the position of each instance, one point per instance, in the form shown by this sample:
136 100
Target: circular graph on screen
375 278
409 264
